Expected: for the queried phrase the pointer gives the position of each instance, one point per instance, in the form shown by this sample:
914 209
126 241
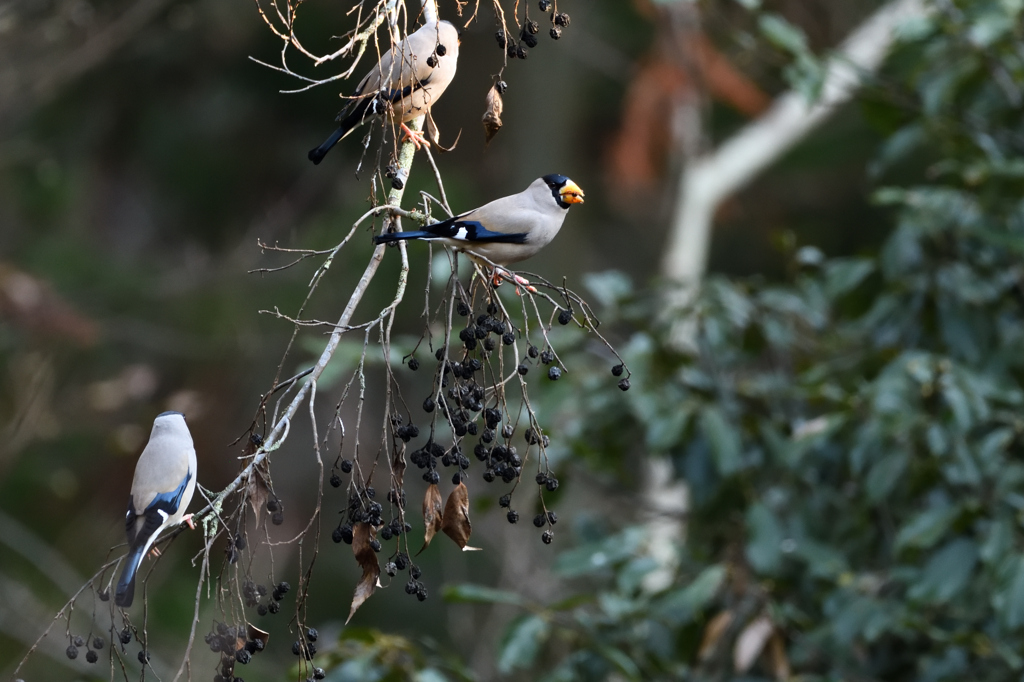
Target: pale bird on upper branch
506 230
165 478
403 88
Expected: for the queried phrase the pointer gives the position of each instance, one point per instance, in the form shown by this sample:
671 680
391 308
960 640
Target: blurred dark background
143 155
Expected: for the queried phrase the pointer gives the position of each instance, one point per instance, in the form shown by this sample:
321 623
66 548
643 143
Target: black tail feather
398 236
317 155
126 585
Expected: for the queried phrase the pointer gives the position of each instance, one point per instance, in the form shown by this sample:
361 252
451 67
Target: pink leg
414 136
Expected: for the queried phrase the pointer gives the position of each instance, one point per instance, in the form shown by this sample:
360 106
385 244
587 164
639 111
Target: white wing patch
462 234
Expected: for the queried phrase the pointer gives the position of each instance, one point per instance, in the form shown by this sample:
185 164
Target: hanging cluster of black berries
254 594
236 645
520 48
463 401
95 644
234 548
617 371
276 510
362 508
305 646
414 586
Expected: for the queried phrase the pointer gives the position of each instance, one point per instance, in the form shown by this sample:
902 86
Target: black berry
91 656
565 316
554 373
414 364
624 384
72 651
512 516
346 466
547 536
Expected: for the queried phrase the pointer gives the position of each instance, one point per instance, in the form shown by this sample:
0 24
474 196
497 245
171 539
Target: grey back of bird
168 457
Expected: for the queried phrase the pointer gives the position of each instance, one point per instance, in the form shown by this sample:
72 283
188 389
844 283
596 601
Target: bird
165 478
506 230
402 89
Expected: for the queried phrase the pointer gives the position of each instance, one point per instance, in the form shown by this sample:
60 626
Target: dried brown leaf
432 514
434 134
492 114
777 657
257 489
750 643
398 466
713 633
362 534
255 633
456 524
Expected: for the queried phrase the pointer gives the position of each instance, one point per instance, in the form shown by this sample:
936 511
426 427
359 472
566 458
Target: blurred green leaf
766 536
478 594
1013 611
682 605
927 528
724 439
947 572
522 642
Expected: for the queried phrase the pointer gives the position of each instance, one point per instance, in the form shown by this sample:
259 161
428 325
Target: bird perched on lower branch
165 478
507 230
405 87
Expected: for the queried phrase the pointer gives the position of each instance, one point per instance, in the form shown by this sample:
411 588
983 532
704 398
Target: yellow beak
571 193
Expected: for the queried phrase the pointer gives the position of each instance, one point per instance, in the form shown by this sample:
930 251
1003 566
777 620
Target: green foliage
851 438
368 655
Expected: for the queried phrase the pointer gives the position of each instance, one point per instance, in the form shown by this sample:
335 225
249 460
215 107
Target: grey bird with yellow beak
507 230
403 87
165 478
